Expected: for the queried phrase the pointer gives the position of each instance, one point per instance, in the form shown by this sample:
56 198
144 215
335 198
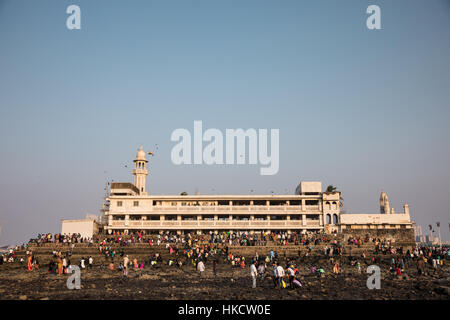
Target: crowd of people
203 252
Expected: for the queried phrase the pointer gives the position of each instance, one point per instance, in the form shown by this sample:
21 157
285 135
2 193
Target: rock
443 290
23 297
93 286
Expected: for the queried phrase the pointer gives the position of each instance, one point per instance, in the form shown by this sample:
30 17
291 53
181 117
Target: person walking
253 274
280 275
201 267
126 260
291 274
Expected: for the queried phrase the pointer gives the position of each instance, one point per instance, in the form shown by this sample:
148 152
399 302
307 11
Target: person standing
336 268
126 260
261 271
29 262
291 275
280 275
253 274
201 267
274 275
60 265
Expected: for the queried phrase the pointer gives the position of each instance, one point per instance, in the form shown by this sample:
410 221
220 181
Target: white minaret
384 203
140 171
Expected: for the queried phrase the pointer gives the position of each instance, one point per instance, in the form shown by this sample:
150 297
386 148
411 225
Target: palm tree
184 193
331 188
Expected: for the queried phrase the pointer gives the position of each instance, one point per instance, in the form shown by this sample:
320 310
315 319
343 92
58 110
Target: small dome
140 154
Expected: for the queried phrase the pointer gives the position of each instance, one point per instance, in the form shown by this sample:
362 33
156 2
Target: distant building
85 227
131 208
128 207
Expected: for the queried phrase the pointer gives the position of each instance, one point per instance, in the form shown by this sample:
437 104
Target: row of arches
332 219
140 165
331 205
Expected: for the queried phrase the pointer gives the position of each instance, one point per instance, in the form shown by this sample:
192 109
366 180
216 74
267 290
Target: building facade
129 207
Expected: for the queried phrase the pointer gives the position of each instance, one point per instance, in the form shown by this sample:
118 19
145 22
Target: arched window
328 219
328 205
335 219
334 205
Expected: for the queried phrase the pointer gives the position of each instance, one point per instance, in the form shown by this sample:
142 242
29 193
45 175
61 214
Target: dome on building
141 154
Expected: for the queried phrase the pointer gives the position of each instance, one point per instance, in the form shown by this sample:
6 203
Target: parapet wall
402 236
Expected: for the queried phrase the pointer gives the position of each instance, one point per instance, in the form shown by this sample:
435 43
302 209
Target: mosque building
130 207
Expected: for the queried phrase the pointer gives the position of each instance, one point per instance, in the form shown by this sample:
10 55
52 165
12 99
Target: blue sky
363 110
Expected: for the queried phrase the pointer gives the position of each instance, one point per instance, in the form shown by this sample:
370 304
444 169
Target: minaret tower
384 203
140 171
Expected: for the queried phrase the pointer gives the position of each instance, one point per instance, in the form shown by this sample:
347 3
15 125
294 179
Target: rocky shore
170 282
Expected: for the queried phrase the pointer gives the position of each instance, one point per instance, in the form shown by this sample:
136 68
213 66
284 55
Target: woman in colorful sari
29 262
60 266
336 268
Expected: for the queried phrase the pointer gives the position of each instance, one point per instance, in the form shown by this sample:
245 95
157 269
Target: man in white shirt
201 267
280 275
253 274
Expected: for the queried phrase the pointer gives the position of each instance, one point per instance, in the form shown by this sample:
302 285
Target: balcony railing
193 224
232 208
215 209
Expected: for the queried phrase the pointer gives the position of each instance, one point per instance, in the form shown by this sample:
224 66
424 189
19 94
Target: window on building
277 217
188 217
119 203
136 203
241 217
259 202
278 202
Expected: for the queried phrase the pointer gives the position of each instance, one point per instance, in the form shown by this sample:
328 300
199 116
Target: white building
131 208
85 227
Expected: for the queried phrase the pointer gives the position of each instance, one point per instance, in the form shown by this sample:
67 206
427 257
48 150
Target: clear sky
364 110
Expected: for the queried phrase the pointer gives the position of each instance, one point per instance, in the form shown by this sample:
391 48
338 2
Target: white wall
85 227
363 218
